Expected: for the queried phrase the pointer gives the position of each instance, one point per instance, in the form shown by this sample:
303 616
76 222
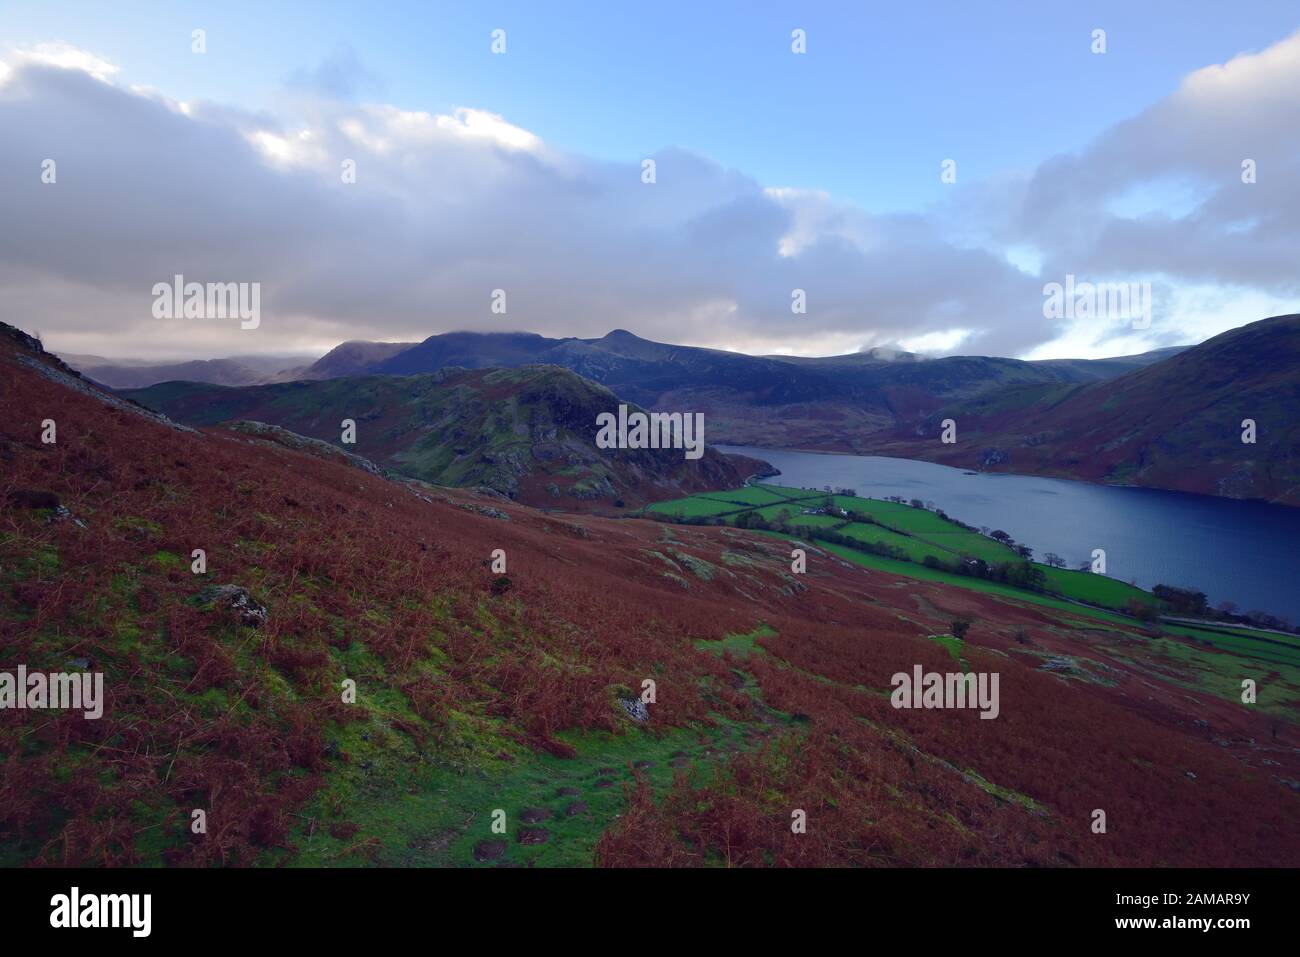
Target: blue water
1245 552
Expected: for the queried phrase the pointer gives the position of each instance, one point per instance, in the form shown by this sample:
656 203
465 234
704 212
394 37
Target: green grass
914 548
790 513
1098 589
972 544
694 507
749 495
392 804
791 493
917 533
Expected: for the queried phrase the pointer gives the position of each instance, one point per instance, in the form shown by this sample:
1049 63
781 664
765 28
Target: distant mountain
355 357
528 433
138 373
1176 424
832 403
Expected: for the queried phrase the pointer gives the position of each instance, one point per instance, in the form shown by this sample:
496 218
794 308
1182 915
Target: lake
1244 552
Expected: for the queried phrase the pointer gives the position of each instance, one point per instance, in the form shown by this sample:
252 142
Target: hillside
527 433
1176 424
835 403
479 692
138 375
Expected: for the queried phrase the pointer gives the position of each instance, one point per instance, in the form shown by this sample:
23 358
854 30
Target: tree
999 536
1055 560
1139 609
958 628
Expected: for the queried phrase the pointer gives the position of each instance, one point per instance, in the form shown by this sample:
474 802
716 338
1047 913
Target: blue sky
885 93
888 92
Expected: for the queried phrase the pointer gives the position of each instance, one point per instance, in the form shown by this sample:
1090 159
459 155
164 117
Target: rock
635 708
487 510
238 600
531 815
576 808
696 566
1060 664
568 792
994 456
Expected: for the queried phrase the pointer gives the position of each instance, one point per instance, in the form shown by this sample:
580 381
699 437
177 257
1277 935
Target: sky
920 175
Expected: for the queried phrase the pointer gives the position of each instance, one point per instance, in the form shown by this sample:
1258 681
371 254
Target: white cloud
447 208
63 56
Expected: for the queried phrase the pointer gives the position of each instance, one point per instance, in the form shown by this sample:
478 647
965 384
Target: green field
914 548
916 533
694 507
749 495
1211 658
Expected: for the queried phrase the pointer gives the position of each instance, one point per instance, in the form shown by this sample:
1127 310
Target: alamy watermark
651 430
59 690
930 689
213 300
1125 301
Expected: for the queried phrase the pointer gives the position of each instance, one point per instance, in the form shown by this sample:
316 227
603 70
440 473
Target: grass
694 506
417 810
917 534
749 495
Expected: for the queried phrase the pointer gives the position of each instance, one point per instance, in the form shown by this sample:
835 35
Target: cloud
1161 195
447 208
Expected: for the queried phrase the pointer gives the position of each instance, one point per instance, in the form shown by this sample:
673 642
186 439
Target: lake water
1246 552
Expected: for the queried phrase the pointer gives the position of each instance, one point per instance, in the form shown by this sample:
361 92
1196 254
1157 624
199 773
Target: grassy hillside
483 696
528 433
1177 424
896 529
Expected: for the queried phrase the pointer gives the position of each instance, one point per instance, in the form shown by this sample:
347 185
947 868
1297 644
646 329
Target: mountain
355 357
138 373
528 433
833 403
1176 424
348 681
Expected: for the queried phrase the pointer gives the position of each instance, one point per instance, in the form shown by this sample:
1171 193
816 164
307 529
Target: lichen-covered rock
696 566
237 600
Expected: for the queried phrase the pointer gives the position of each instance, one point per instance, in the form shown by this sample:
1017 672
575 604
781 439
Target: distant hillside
1176 424
137 374
528 433
353 358
832 403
